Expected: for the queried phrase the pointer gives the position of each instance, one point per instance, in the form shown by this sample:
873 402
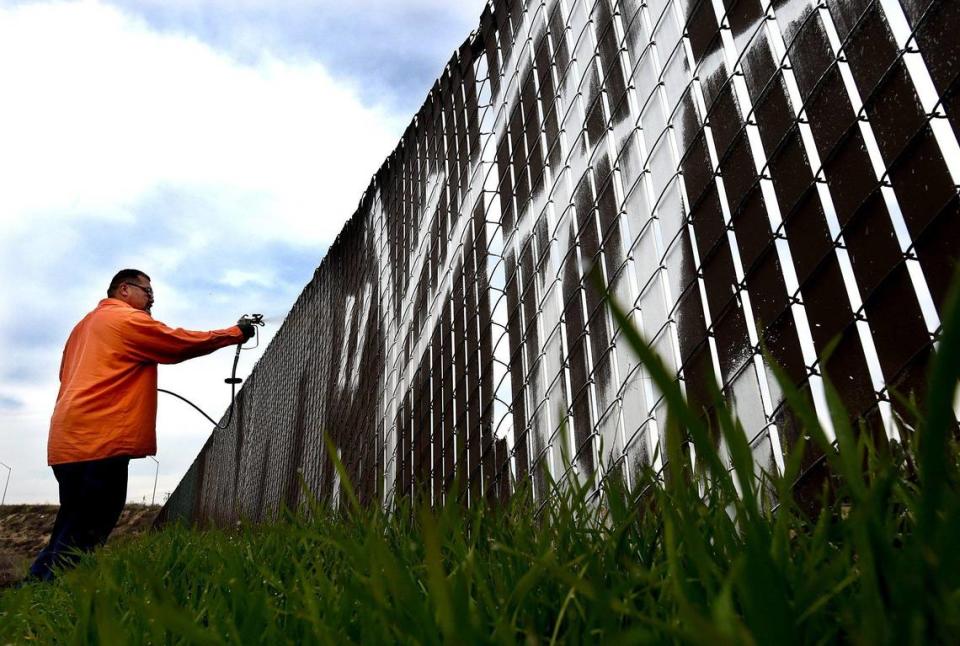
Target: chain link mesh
743 175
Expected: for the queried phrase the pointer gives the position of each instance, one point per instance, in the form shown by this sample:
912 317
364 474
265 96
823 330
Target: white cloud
99 110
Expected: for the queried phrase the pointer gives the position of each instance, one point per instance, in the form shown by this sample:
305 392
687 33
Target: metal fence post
156 474
9 469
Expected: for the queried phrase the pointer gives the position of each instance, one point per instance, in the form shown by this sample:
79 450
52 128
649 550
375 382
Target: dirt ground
25 529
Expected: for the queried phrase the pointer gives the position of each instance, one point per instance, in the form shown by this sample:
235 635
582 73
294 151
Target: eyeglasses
146 290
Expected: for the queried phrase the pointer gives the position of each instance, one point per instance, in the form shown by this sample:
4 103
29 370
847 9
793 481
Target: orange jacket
107 405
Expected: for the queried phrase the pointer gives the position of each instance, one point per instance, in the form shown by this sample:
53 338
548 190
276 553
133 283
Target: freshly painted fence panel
742 174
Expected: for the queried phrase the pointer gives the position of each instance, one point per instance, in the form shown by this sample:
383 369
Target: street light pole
156 474
9 469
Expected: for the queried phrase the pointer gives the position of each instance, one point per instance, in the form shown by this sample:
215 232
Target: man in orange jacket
106 411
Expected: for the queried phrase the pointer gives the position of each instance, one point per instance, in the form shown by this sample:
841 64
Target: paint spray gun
252 320
247 321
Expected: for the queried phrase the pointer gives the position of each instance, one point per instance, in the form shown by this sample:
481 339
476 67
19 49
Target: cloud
387 51
107 109
8 403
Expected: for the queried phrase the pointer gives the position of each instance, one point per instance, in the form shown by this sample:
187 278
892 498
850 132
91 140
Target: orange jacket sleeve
149 340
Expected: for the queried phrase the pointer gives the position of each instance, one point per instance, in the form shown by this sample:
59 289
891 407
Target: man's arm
146 339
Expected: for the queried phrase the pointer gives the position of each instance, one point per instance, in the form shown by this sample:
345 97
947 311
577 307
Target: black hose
233 381
182 398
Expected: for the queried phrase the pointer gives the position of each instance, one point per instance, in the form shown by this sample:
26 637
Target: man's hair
123 276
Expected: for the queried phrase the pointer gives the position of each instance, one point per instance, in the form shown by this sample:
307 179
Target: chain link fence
743 175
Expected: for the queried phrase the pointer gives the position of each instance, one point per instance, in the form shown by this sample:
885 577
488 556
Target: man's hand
247 328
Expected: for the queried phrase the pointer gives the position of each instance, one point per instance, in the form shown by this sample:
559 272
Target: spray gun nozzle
253 319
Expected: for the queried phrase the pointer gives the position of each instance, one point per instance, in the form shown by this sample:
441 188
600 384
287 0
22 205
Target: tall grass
704 555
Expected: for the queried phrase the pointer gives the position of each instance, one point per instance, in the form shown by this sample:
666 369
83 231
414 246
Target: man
106 410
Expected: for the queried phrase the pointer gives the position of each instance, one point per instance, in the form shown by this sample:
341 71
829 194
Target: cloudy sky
219 146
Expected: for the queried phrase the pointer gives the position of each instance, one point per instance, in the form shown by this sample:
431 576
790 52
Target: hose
233 380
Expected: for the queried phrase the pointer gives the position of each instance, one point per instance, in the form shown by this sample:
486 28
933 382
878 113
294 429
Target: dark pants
92 495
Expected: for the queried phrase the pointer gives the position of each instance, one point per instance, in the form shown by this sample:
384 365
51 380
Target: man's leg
105 510
92 496
70 481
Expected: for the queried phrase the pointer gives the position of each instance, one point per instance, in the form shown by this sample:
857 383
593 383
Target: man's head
132 286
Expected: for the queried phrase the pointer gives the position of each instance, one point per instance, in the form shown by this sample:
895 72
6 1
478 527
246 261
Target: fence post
3 499
156 474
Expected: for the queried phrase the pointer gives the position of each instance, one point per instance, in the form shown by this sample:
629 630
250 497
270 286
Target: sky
217 146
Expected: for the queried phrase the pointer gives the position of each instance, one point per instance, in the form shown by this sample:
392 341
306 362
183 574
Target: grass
741 563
